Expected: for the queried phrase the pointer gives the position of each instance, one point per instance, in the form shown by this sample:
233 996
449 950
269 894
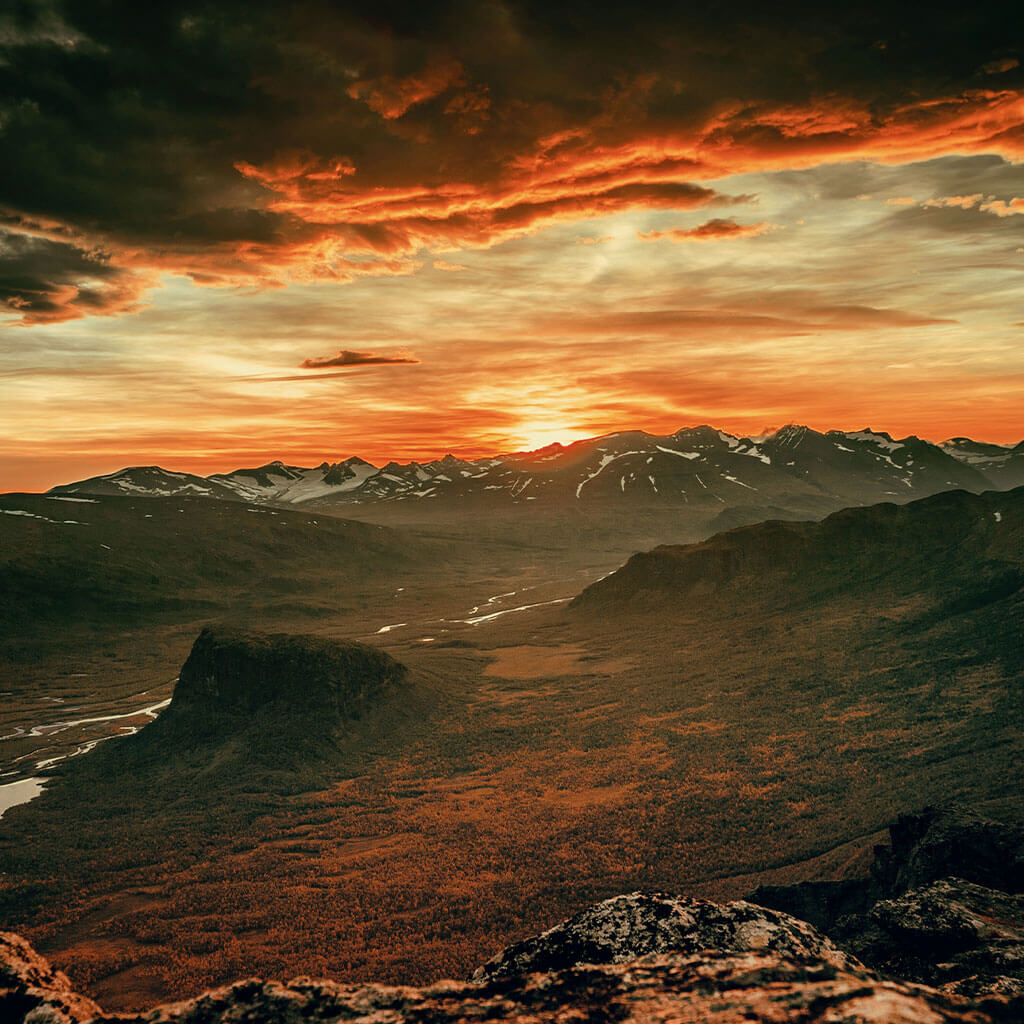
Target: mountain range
794 469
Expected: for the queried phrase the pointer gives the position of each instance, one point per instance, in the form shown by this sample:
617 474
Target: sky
235 232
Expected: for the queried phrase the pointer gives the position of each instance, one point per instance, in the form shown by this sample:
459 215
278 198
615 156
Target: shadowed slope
969 546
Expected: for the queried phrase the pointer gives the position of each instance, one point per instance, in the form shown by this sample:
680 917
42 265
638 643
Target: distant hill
795 468
282 699
963 547
117 560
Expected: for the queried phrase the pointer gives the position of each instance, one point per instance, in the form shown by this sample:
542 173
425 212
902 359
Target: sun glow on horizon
531 436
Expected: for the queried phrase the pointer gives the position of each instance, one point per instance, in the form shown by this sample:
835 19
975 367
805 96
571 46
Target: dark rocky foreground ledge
766 967
943 903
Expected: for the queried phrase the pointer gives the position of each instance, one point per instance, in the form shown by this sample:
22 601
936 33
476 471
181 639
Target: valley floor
544 759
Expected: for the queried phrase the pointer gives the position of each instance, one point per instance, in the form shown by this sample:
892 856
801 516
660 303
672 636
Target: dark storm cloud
314 140
347 358
42 281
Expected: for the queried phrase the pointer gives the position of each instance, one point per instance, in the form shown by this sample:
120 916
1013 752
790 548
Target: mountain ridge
795 467
970 543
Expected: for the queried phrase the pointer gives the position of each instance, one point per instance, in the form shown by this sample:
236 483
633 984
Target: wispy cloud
716 230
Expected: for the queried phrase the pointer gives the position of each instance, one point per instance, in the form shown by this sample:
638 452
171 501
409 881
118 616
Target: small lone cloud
719 229
347 358
901 201
445 265
593 239
997 67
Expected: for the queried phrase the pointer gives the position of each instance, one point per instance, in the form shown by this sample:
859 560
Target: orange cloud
43 281
963 202
776 317
718 229
1004 209
576 174
339 217
1000 66
392 97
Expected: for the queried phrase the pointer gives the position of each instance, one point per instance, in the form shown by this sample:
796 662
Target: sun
533 435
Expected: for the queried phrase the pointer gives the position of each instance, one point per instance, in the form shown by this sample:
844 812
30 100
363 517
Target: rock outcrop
940 906
713 987
32 991
939 842
641 924
952 934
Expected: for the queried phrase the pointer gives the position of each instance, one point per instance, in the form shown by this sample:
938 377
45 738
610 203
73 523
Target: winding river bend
27 786
23 778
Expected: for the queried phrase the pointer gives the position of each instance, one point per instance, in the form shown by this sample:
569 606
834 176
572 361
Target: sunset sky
232 232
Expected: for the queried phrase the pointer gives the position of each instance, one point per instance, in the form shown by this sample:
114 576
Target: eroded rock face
954 841
640 924
32 991
229 671
711 987
951 934
939 905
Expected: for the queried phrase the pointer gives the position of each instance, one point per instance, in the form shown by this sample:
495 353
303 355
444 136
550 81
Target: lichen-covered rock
711 988
952 933
812 983
33 992
639 924
911 920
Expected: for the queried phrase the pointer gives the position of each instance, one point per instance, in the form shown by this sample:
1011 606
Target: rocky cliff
769 967
941 905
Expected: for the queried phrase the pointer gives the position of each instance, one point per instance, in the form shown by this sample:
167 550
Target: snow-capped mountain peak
793 467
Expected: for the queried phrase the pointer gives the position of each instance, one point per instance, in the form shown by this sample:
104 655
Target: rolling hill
108 560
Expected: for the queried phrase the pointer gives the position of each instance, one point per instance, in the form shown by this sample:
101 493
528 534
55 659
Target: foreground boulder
32 991
713 987
640 924
939 907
